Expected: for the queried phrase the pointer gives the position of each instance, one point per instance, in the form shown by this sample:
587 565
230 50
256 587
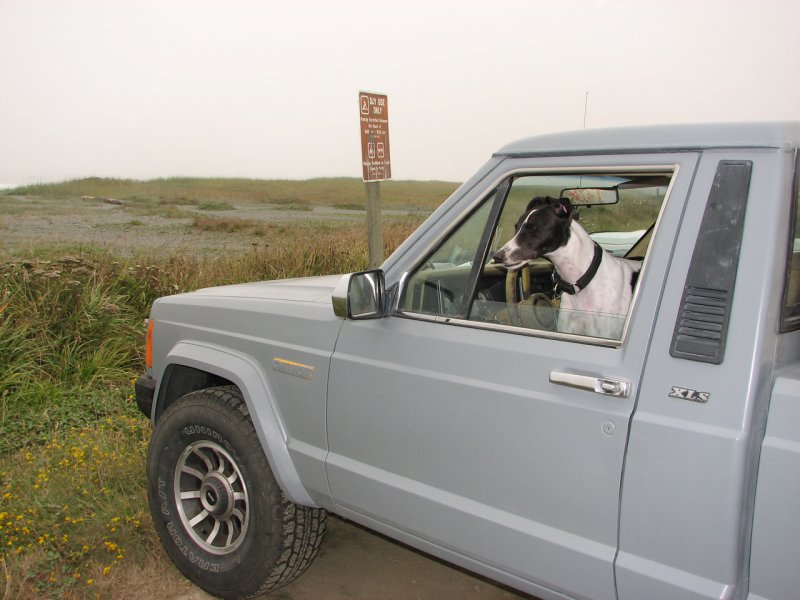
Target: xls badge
693 395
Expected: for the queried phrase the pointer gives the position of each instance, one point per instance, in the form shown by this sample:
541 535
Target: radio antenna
585 108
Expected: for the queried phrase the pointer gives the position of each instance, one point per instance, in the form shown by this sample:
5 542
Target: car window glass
440 285
617 210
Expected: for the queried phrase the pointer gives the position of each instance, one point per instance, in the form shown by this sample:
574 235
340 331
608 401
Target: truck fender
245 372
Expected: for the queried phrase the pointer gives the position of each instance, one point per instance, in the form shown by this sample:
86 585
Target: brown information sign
375 160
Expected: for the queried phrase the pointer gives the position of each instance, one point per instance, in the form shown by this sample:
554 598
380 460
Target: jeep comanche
435 400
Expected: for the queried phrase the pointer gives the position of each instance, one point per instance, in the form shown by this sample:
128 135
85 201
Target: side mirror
360 296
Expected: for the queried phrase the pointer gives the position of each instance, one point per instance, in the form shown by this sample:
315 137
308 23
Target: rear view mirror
591 196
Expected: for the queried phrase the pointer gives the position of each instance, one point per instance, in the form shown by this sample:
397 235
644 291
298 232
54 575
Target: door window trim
506 178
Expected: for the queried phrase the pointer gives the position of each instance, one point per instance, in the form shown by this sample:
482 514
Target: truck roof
659 138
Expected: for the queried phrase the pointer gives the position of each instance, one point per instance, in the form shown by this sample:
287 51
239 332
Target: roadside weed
72 509
74 521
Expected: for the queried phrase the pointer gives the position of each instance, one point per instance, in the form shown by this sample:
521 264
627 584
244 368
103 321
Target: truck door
467 423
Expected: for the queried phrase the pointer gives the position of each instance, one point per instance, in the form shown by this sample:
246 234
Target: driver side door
448 427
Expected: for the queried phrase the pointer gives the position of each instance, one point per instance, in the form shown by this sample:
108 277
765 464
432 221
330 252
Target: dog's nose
499 256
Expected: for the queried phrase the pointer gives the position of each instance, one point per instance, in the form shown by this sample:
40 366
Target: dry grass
228 224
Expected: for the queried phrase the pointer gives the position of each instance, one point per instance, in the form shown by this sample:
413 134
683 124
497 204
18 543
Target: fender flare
246 373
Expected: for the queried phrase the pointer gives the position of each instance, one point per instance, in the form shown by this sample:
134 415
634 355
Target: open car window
460 280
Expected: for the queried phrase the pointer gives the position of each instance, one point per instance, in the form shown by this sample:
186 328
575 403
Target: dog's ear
563 208
533 202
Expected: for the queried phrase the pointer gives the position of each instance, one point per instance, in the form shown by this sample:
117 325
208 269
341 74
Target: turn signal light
148 353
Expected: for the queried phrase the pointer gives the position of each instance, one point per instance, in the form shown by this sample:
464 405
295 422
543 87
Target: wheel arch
180 379
192 366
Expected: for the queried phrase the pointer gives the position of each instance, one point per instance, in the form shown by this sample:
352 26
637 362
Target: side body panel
689 483
775 560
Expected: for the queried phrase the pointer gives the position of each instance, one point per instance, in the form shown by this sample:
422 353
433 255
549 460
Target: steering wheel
512 285
525 310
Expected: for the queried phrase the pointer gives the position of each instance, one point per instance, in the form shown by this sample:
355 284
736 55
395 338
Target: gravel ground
356 564
30 223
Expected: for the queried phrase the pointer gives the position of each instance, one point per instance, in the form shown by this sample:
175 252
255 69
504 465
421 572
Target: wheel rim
211 497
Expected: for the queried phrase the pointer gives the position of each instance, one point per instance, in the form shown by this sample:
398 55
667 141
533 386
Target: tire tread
299 529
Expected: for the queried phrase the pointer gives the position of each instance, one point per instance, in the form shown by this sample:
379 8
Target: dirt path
30 223
356 564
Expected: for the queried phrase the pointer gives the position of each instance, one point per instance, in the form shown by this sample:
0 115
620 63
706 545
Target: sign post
376 165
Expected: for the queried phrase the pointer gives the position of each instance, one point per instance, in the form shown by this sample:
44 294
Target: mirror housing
360 296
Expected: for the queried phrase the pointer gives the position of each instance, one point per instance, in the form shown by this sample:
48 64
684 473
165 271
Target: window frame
499 189
790 314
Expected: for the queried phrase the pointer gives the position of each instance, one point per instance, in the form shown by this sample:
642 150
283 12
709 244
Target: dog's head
543 227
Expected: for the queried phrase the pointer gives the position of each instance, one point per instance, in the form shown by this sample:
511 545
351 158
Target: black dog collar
559 285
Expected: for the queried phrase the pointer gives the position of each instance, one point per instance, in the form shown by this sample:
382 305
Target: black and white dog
597 286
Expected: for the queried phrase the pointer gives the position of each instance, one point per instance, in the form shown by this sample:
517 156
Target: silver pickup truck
478 412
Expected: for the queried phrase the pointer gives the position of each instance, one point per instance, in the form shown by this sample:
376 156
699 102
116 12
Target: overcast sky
157 88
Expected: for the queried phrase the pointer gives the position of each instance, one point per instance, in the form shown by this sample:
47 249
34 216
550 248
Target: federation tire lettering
216 505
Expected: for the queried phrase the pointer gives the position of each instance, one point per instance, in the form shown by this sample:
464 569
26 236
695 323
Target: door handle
609 386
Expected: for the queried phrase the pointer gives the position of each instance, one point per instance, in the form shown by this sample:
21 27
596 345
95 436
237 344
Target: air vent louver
702 325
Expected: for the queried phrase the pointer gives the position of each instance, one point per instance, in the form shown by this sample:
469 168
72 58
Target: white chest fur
601 307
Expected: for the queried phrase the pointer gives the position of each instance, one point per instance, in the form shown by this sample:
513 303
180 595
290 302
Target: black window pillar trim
790 315
501 193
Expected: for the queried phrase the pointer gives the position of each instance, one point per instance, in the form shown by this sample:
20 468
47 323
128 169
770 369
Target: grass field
74 521
341 192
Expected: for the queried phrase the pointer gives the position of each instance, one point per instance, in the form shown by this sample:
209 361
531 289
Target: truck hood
304 289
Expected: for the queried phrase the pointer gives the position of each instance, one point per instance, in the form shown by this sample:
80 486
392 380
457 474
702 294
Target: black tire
205 457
